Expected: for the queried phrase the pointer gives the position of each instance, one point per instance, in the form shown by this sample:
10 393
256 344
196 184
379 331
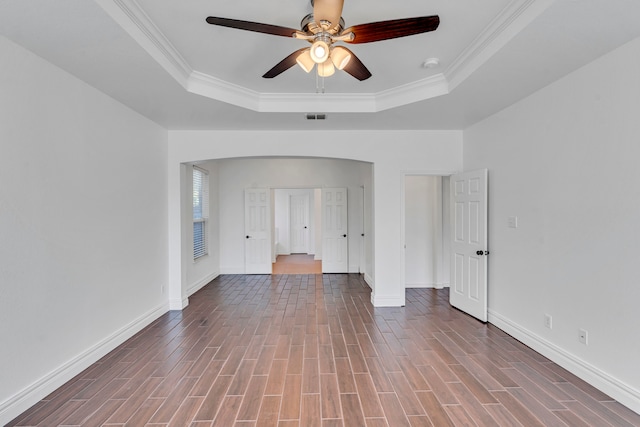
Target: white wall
565 162
238 174
83 226
392 153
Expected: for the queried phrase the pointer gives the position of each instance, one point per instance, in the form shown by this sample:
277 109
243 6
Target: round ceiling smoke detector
431 63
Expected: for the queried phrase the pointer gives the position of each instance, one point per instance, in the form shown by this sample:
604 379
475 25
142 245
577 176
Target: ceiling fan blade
327 10
252 26
384 30
356 68
284 65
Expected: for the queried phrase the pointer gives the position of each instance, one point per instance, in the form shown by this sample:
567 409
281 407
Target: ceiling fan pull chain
319 82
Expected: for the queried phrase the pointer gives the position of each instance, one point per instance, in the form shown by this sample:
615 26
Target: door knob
305 226
344 235
248 237
479 252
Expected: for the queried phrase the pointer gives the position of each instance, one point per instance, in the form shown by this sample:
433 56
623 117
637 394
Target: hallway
296 264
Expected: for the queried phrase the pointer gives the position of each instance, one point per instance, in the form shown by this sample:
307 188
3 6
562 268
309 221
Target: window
200 212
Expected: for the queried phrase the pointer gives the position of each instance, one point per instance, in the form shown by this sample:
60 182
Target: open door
469 243
335 247
257 227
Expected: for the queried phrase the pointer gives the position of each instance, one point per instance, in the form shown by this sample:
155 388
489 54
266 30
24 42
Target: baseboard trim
179 303
426 285
604 382
387 301
23 400
368 280
201 283
232 270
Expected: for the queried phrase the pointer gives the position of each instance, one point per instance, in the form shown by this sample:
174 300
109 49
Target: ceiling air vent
316 116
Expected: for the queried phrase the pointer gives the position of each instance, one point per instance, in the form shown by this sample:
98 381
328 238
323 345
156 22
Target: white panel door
469 243
257 227
299 223
335 247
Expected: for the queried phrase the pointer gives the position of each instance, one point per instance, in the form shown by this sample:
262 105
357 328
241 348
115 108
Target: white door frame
313 227
403 225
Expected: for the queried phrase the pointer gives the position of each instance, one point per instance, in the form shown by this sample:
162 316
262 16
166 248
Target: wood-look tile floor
310 350
296 264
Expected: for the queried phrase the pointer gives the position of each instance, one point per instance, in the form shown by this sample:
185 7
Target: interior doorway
426 231
297 231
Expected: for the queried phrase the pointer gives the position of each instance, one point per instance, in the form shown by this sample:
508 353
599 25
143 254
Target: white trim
419 286
132 18
369 281
426 285
420 90
509 23
604 382
23 400
387 301
201 283
178 304
232 270
214 88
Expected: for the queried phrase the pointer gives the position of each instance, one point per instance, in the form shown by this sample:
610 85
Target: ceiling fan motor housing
309 25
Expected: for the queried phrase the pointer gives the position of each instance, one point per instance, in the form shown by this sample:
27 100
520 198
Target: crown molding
130 16
420 90
215 88
512 19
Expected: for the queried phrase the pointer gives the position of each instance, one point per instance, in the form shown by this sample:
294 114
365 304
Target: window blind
200 212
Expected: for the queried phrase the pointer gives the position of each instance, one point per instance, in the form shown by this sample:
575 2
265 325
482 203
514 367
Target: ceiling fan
323 28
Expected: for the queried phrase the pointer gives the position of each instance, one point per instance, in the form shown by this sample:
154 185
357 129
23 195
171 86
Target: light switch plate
512 222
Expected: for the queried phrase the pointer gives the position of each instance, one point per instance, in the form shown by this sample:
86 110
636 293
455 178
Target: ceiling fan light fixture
319 51
305 61
326 69
340 57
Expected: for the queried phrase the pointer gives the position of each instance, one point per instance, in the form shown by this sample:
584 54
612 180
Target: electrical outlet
583 336
548 321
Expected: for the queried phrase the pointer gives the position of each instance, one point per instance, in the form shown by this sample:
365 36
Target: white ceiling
163 60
